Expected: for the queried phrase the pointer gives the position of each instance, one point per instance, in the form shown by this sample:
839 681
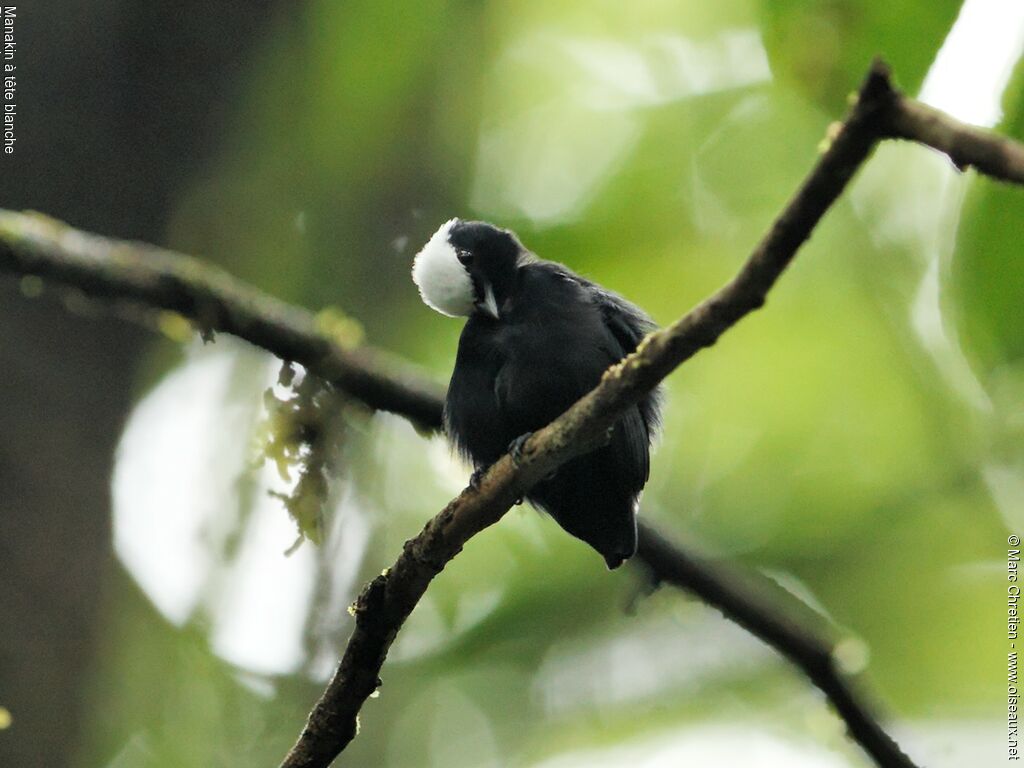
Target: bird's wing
628 325
631 448
626 321
563 372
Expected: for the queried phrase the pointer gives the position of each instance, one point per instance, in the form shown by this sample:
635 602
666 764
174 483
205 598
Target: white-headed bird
537 339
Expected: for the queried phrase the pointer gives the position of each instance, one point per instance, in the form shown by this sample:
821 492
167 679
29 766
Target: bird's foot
477 477
515 448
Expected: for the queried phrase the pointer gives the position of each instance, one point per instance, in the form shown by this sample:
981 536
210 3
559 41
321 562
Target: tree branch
109 269
34 244
388 600
720 586
966 145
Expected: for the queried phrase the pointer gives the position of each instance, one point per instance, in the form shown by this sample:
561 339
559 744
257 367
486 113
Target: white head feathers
443 282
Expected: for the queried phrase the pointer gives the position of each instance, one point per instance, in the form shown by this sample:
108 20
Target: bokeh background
858 440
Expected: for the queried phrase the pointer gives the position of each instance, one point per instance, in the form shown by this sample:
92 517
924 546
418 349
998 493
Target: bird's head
468 267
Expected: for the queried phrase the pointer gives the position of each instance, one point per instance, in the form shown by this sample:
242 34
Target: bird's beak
488 303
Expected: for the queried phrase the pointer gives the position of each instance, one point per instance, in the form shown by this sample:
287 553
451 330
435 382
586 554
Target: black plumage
538 338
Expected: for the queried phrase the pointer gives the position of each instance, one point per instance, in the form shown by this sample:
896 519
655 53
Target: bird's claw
477 477
515 448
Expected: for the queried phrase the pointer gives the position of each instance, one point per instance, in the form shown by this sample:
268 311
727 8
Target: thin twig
156 278
966 145
719 586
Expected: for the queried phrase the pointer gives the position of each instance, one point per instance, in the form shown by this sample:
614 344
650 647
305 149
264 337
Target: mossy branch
214 302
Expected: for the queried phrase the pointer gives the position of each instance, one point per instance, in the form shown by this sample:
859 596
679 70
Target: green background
868 458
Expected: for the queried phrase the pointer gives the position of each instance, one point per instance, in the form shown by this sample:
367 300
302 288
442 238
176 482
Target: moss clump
301 435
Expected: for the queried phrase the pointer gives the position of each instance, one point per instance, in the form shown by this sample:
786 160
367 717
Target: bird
537 338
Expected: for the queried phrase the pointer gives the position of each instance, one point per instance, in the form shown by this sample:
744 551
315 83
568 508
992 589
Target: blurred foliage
648 146
846 35
989 270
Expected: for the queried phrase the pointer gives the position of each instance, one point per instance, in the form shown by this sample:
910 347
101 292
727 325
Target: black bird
538 338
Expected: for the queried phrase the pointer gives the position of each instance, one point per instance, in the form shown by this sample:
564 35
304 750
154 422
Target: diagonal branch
387 601
155 278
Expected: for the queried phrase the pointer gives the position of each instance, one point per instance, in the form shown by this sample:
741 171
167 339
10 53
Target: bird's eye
465 257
